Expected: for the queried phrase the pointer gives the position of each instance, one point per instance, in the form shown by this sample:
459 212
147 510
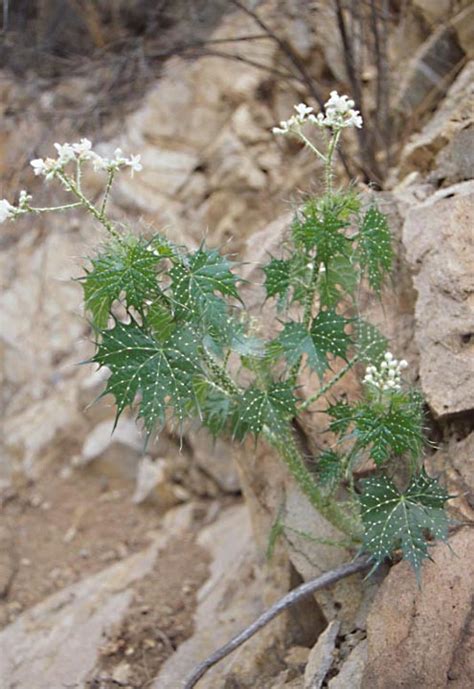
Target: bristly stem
71 186
107 190
324 389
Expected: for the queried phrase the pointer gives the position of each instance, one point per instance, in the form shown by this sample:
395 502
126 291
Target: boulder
450 128
420 637
438 238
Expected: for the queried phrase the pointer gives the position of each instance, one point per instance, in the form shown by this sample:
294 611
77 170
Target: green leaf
159 320
319 228
328 332
277 277
343 414
375 247
329 469
338 278
256 408
161 372
392 519
215 405
371 344
393 430
327 336
124 268
204 274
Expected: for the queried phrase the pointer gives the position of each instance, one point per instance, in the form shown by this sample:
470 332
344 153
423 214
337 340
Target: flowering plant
186 337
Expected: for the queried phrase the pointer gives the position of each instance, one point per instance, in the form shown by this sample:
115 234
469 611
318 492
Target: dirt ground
68 526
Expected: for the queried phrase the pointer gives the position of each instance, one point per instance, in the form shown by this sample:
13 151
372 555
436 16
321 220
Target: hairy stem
329 508
324 389
71 185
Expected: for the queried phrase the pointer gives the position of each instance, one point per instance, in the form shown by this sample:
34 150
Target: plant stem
329 508
322 391
107 190
71 185
287 448
65 207
311 146
329 157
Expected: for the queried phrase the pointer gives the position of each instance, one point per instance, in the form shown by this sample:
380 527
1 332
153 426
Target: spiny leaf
371 344
127 267
159 320
375 247
215 405
327 336
393 430
319 228
343 414
329 469
277 277
205 273
338 278
161 372
392 519
328 332
273 407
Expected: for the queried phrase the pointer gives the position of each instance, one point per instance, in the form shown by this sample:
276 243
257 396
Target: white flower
83 149
134 164
24 200
7 211
302 110
340 113
65 153
39 166
387 377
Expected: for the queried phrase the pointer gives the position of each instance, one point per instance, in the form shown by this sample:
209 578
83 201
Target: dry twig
280 606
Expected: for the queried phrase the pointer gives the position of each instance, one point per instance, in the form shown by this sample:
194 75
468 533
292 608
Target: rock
229 601
154 483
418 637
439 242
321 657
463 23
56 642
7 560
433 10
350 674
216 458
430 72
449 127
113 451
454 462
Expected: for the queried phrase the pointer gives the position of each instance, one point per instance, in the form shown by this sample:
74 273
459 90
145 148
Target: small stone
321 657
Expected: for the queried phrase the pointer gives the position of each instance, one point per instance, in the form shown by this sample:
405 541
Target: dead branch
280 606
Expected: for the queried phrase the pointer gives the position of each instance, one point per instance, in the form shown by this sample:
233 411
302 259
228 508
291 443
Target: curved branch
280 606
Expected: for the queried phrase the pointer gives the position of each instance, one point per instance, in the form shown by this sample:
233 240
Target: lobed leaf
160 371
392 519
375 247
273 407
125 268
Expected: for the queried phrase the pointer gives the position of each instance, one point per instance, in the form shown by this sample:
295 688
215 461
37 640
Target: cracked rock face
439 242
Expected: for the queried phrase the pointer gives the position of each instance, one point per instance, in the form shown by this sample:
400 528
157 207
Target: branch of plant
325 388
288 601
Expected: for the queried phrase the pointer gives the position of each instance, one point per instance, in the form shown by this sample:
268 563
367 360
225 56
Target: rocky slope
94 537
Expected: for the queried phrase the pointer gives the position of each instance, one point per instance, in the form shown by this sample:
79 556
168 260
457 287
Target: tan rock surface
440 243
418 638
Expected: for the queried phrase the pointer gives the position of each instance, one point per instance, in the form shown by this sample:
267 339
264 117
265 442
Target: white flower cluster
293 124
388 375
82 151
339 113
10 212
